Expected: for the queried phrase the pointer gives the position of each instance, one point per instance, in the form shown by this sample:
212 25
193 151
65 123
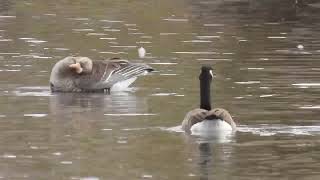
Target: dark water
265 55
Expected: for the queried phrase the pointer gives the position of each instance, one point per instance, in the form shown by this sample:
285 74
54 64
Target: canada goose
81 74
204 119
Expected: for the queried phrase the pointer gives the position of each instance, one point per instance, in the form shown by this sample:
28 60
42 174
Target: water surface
266 61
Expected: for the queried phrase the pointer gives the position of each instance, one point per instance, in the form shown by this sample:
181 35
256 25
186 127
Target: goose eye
211 73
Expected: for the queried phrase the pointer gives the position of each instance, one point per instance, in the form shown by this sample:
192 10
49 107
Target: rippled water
265 56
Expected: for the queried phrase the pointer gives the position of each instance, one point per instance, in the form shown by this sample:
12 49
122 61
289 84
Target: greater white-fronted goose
81 74
204 119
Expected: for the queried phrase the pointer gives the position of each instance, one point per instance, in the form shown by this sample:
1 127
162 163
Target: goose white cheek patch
77 67
211 73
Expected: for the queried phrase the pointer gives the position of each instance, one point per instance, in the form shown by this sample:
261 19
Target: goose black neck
205 98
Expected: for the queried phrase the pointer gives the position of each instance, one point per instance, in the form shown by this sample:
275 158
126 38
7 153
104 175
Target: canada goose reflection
212 160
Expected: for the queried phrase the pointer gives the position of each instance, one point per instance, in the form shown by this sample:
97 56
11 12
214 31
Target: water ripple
176 20
270 130
130 114
194 52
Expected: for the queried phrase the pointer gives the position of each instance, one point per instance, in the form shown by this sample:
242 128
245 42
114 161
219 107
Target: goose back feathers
81 74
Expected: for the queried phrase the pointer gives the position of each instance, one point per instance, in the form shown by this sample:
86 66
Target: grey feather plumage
103 74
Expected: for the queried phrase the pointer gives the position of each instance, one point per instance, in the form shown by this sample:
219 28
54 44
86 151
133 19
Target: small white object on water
142 52
300 46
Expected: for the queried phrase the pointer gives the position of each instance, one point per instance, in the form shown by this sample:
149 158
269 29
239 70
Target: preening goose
205 120
81 74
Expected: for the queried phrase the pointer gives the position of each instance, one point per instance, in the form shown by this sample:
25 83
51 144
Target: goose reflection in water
82 112
212 159
118 102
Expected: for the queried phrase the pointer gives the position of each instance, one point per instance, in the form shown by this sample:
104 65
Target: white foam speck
310 107
108 38
57 153
42 57
26 38
165 34
267 95
168 74
210 59
197 41
123 46
186 52
248 82
163 94
12 70
300 46
111 21
272 23
9 156
35 115
136 33
83 30
146 176
90 178
96 34
165 63
9 53
207 37
50 14
112 30
79 19
255 68
66 162
131 114
176 20
5 40
213 25
130 25
306 84
133 29
277 37
142 52
143 42
36 41
7 16
262 87
62 49
106 129
34 147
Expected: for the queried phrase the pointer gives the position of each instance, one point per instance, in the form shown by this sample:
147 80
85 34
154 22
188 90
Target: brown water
265 55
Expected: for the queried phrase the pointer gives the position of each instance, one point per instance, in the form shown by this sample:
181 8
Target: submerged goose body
205 120
81 74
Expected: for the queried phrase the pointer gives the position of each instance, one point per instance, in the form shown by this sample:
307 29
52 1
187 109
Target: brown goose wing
192 117
223 115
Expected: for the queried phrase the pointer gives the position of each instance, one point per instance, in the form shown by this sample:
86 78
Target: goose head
79 64
64 72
